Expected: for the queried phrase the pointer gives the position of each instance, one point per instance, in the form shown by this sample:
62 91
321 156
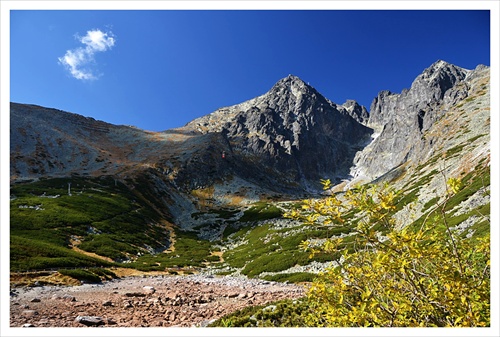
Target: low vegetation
93 275
190 251
430 273
417 276
101 216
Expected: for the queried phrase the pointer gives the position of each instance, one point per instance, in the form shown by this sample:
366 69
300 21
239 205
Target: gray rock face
291 135
401 120
426 90
356 111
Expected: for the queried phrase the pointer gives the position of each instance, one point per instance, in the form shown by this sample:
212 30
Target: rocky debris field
154 301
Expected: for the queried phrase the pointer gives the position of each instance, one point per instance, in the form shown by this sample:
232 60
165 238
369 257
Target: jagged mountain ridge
273 134
282 142
404 123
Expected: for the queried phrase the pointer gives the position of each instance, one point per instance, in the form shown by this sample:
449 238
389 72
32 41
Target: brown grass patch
31 279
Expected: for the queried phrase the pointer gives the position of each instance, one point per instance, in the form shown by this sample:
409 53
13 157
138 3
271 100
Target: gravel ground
154 301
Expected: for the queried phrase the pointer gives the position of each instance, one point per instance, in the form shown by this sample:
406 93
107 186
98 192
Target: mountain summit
405 123
291 135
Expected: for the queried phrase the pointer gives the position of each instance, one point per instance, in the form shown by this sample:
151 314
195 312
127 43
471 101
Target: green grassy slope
100 216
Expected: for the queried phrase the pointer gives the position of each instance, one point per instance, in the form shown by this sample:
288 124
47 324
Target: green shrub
107 218
31 254
286 313
291 277
261 211
104 273
81 275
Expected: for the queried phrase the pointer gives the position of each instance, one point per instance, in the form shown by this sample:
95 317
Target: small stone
149 289
69 298
29 313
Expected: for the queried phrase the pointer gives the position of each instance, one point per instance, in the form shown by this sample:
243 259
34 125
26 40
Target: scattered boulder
65 297
135 294
90 320
176 302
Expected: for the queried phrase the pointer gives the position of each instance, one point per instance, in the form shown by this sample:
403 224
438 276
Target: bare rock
90 320
29 313
149 289
135 294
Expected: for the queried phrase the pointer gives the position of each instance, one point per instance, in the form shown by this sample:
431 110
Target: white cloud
77 60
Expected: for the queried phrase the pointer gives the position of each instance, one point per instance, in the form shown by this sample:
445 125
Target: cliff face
404 122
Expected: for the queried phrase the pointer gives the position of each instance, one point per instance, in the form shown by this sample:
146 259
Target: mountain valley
210 197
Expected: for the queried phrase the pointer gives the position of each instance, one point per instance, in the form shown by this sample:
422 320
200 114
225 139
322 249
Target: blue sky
159 69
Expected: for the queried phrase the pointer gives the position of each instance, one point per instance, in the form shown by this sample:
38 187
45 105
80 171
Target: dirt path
154 301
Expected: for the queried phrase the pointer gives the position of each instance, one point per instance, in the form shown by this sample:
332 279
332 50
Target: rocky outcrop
401 121
356 111
426 91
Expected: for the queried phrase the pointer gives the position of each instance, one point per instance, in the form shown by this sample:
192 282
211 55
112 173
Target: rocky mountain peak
403 120
283 127
437 79
428 89
287 91
295 92
291 79
292 83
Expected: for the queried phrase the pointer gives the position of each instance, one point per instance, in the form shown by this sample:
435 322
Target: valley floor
152 301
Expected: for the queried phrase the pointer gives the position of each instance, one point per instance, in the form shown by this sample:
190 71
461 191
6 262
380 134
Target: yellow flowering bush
403 277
